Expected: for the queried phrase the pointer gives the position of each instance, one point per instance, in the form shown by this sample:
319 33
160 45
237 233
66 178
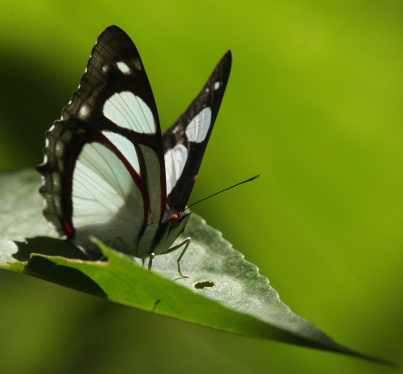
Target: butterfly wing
186 141
103 172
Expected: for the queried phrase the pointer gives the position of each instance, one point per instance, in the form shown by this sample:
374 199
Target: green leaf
223 290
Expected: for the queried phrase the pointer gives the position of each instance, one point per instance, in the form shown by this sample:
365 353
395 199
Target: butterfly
108 171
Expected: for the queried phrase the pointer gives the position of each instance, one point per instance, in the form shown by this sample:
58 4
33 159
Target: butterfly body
108 172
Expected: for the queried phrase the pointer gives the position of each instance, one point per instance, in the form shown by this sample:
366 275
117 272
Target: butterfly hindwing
186 141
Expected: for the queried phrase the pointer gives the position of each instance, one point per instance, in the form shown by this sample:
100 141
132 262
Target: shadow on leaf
48 246
33 251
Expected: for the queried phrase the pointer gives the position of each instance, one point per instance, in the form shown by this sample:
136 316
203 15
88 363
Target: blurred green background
314 103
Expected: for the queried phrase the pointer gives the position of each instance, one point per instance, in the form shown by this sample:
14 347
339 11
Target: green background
314 103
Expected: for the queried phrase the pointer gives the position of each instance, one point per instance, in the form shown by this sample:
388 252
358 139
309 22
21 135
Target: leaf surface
223 290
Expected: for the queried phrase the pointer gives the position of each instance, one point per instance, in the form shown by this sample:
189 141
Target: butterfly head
175 219
175 222
172 225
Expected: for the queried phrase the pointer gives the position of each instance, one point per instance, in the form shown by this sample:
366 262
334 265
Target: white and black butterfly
108 172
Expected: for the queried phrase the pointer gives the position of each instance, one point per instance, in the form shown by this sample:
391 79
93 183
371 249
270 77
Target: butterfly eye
174 219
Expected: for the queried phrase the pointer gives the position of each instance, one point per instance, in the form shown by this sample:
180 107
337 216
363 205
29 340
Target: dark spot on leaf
203 285
156 304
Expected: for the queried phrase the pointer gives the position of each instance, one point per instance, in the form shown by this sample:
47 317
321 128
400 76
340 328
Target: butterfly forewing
186 141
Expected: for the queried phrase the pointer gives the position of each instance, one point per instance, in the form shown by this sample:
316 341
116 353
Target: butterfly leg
185 243
150 261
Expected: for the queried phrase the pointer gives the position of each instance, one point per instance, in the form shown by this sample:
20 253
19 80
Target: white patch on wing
199 126
106 201
126 147
105 68
84 111
66 136
129 111
217 85
175 160
59 148
123 67
137 64
56 181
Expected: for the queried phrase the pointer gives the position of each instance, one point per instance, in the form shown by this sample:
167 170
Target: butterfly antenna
225 189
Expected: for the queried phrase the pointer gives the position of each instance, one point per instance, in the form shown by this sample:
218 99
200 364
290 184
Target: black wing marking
196 118
114 66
